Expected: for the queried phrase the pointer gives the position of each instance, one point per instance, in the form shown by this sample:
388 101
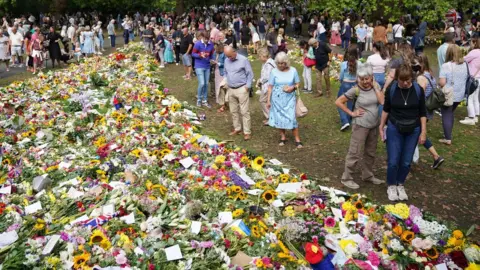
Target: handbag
448 92
300 108
309 62
436 99
472 84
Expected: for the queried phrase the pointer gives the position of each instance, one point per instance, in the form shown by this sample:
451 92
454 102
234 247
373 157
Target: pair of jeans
448 120
345 43
361 48
132 35
112 41
126 36
400 150
203 76
102 42
380 79
344 117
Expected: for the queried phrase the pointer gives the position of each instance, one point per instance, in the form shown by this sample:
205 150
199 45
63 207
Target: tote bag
300 108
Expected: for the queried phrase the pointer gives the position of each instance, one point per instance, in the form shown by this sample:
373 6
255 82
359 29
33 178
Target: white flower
396 245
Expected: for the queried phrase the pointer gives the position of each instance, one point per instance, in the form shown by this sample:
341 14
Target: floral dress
282 110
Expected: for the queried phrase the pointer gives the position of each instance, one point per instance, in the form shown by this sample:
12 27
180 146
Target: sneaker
344 127
162 66
402 195
392 193
20 65
176 64
438 112
445 141
350 184
375 181
475 119
468 121
438 162
199 104
205 104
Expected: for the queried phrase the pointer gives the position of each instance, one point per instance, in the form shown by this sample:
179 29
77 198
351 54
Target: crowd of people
386 96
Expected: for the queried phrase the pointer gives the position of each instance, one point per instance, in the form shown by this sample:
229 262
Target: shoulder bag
472 84
300 108
436 99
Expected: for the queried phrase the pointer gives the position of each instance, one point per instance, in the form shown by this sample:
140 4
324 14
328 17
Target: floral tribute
101 167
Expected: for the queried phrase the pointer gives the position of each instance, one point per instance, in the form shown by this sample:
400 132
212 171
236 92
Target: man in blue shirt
239 76
442 50
361 31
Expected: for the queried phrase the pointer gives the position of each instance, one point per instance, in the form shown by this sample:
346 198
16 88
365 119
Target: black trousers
177 54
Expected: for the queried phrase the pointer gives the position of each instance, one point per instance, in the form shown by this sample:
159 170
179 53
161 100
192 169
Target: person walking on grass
268 65
368 97
282 96
473 61
186 45
405 115
111 33
322 58
4 49
203 52
348 79
238 78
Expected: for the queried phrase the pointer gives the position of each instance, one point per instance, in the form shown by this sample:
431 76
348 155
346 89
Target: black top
245 33
282 23
185 42
231 40
321 55
396 107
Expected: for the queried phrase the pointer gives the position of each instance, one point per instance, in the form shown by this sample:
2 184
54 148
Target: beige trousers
263 103
325 73
239 104
366 138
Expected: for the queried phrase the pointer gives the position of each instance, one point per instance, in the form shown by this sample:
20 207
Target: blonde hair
282 57
389 28
454 54
263 52
281 31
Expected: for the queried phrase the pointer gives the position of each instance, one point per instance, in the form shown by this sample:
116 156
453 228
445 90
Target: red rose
459 259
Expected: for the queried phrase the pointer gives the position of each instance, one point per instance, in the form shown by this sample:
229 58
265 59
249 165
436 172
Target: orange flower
398 230
432 253
407 236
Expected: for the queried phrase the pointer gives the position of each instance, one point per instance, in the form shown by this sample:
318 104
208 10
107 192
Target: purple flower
408 222
206 244
237 180
442 242
64 236
414 212
415 228
13 227
165 90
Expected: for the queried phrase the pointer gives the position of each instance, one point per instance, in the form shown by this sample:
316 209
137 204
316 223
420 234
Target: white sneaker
350 184
375 181
162 66
475 119
402 195
344 127
176 64
392 193
468 121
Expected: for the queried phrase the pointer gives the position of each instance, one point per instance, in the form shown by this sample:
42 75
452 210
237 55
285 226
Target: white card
337 213
363 219
38 195
285 171
289 187
32 208
173 253
40 134
64 165
275 162
8 238
138 251
130 219
195 227
255 192
187 162
51 244
108 210
441 266
74 194
6 190
225 217
277 203
247 179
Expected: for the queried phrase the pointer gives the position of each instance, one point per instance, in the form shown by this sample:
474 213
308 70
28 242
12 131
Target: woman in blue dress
168 53
282 98
88 45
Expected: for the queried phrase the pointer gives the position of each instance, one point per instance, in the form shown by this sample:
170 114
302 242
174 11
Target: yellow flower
346 242
79 261
289 212
236 189
184 153
53 261
257 163
96 238
283 178
135 111
473 266
100 141
400 209
245 160
136 153
269 196
176 106
255 231
259 263
39 226
219 159
457 234
237 213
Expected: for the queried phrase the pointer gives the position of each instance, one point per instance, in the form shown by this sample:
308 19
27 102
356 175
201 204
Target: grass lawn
451 193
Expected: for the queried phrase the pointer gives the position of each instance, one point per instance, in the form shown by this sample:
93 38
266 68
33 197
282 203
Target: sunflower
407 236
176 106
96 238
242 196
236 189
255 231
245 160
105 244
283 178
432 253
257 163
6 161
79 261
358 205
237 213
136 152
261 185
269 196
165 151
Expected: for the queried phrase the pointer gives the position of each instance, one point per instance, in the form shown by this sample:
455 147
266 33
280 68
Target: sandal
265 123
222 109
299 145
282 142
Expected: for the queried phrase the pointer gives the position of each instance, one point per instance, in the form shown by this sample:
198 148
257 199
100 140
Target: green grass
450 193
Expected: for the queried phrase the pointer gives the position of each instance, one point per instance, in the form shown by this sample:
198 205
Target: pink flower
373 258
121 259
330 222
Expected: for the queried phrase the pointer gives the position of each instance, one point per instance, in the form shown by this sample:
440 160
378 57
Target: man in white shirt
16 44
398 34
71 32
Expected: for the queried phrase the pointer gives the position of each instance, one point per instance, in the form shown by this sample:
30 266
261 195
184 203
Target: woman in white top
453 75
379 61
335 37
369 37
